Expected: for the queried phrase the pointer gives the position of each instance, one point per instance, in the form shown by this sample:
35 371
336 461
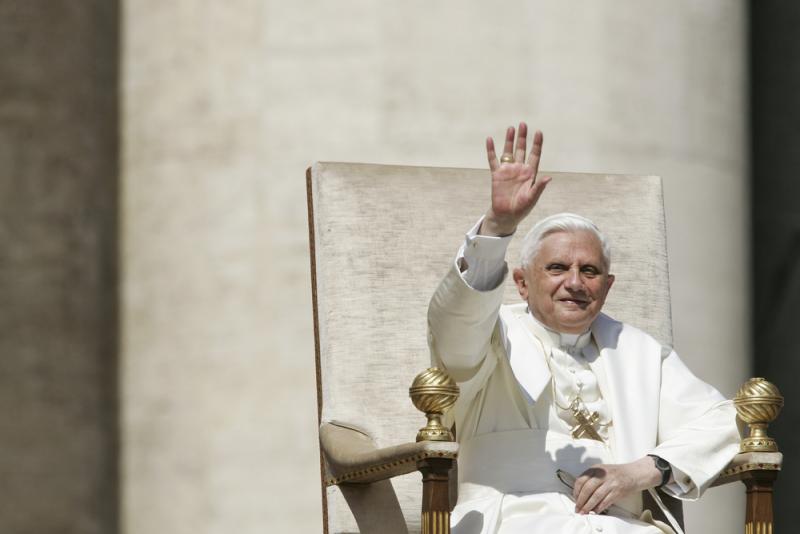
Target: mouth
574 301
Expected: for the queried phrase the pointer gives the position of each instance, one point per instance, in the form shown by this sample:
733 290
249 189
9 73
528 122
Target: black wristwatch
663 466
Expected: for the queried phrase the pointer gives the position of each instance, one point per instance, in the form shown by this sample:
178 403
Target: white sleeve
697 431
481 259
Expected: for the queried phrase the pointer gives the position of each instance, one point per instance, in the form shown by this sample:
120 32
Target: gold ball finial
433 392
758 404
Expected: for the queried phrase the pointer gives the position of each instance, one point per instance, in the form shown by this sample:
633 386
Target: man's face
567 282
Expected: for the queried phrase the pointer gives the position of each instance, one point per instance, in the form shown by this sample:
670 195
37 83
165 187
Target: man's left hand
602 485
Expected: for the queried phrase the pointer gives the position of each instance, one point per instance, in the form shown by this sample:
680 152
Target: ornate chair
381 239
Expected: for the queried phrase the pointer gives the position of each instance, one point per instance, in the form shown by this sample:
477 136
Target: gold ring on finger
507 158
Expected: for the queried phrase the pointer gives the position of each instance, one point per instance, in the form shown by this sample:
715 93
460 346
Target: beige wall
226 103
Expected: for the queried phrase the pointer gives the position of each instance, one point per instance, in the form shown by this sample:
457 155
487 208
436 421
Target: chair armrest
352 457
745 462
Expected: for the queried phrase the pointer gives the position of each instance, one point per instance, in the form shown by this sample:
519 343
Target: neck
563 339
575 332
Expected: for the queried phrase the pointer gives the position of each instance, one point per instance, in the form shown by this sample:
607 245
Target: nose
574 281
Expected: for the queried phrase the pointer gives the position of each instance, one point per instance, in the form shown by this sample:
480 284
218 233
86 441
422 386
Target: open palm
515 188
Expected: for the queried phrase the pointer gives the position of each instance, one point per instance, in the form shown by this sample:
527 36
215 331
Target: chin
574 327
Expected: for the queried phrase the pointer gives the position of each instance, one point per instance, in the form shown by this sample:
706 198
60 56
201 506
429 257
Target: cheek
598 290
545 294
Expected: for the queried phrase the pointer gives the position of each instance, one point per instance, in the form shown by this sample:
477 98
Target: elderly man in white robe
565 415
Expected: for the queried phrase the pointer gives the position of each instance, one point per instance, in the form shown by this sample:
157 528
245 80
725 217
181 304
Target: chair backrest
381 239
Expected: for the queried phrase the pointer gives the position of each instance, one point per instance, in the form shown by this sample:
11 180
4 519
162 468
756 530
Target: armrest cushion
745 462
351 455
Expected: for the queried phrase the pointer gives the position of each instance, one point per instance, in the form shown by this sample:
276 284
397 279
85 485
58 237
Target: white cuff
484 257
682 484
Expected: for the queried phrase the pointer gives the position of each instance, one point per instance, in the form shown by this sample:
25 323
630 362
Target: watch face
661 463
663 466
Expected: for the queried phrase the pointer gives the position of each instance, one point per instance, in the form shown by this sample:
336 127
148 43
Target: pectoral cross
585 422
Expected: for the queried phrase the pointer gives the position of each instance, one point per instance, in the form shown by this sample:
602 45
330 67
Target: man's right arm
463 311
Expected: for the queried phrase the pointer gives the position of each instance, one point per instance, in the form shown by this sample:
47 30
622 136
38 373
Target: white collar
564 341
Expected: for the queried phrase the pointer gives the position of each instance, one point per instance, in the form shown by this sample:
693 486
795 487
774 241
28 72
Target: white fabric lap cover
384 236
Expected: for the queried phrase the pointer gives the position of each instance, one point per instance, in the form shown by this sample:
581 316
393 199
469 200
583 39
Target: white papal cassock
514 437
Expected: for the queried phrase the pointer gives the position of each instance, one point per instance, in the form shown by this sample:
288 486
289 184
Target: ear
522 285
609 282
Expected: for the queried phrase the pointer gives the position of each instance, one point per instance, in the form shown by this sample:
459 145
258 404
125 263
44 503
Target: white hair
560 222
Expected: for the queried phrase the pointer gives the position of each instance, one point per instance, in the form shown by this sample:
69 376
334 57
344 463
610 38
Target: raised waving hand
515 187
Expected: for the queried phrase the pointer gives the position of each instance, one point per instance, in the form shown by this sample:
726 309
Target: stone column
58 321
776 227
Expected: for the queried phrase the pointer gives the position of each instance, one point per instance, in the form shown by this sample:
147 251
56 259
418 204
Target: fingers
586 494
522 143
587 491
600 494
536 152
531 194
537 188
491 155
509 146
605 504
517 149
580 482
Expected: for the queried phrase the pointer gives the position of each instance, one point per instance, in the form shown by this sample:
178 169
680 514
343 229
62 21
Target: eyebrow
598 267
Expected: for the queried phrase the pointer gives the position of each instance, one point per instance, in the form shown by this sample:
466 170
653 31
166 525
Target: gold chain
586 421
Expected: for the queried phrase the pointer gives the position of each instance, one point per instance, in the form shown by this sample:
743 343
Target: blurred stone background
156 371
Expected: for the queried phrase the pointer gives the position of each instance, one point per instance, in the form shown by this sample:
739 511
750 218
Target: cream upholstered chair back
383 236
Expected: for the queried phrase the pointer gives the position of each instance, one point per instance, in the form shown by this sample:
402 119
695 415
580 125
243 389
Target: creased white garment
513 438
569 357
520 494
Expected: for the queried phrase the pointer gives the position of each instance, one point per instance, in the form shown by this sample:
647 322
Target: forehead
581 245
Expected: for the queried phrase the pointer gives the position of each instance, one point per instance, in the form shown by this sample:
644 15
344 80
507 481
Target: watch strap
663 466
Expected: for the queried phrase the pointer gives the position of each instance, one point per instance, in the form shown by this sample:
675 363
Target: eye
590 270
556 268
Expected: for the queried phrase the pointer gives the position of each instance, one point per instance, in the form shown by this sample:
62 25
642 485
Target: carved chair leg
435 495
758 517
